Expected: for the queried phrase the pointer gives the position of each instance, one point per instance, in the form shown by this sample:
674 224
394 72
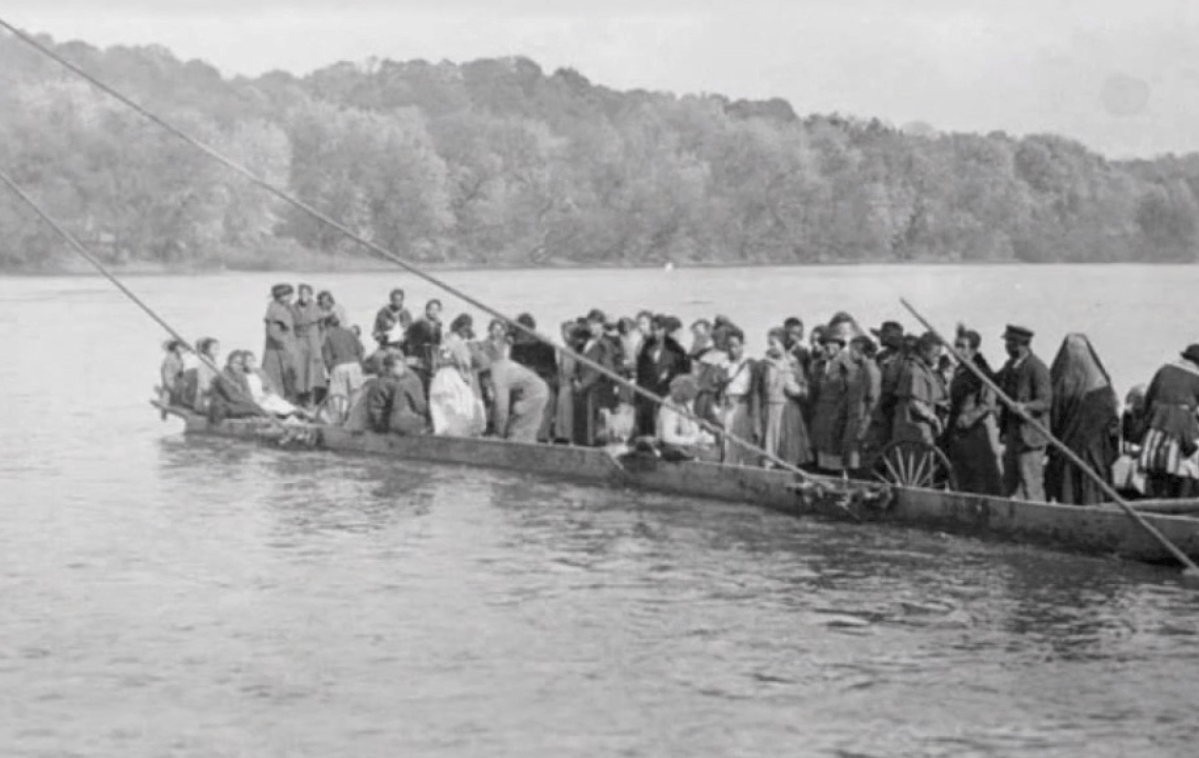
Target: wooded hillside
495 162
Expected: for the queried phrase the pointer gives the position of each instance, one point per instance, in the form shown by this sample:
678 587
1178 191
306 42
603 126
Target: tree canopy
495 162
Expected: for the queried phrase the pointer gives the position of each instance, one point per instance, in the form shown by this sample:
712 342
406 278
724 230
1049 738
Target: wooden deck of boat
1099 529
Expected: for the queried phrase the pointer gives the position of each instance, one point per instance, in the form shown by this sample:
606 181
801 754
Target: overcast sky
1120 75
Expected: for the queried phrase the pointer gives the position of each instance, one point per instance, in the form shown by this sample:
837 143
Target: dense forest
495 162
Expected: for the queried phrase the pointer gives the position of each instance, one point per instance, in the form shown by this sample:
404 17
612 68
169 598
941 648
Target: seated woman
396 403
264 393
230 394
680 435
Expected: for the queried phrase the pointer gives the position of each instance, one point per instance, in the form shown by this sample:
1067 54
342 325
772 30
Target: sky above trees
1120 76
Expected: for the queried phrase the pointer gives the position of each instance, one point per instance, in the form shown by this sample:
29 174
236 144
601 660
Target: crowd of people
829 400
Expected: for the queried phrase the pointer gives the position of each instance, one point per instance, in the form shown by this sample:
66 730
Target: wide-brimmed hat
1019 334
888 329
1191 353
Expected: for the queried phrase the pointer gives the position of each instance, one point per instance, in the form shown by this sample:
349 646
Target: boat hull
1093 529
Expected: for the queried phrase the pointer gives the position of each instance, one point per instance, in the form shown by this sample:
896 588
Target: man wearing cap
1025 379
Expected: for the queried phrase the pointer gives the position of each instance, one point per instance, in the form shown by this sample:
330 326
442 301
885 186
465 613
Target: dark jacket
422 339
1171 401
1028 383
231 398
654 373
341 346
397 404
539 356
403 318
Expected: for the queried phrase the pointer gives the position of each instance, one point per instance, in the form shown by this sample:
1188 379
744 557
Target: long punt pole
1191 570
283 195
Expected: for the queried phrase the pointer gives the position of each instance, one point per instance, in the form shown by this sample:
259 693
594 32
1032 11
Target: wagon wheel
911 463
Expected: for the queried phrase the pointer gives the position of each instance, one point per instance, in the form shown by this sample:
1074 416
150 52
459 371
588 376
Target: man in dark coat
593 390
1026 380
662 358
422 340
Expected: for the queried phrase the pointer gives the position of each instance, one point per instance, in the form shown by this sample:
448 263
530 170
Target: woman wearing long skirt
781 390
310 365
279 355
970 430
1170 448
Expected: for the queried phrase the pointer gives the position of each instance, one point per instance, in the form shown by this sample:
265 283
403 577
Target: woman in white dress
263 393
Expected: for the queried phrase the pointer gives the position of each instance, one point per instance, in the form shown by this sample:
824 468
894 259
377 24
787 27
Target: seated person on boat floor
396 402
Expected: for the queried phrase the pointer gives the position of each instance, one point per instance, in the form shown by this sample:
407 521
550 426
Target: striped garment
1161 453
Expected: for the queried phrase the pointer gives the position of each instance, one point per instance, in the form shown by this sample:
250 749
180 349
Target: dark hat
279 290
596 315
1191 353
526 320
888 329
671 324
1018 334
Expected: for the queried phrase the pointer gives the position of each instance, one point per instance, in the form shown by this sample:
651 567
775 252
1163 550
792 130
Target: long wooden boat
1100 529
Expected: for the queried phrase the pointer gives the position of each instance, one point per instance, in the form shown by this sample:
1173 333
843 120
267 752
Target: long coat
847 394
279 355
657 365
310 364
595 391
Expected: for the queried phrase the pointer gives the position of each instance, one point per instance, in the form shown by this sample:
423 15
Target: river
170 597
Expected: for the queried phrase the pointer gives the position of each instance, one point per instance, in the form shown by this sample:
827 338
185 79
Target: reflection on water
185 597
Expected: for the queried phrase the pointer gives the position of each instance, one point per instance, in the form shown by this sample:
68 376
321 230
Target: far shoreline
372 267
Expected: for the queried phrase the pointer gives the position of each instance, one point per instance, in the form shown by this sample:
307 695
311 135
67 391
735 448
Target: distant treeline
496 163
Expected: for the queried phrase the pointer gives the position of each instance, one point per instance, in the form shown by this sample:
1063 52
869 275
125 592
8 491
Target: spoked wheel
911 463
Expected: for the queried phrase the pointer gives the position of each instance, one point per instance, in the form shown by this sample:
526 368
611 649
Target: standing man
592 389
661 359
1025 379
392 321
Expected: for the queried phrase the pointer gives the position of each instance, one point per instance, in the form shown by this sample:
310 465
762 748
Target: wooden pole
407 266
1191 570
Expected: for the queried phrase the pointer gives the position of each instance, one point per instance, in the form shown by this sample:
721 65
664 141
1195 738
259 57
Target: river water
169 597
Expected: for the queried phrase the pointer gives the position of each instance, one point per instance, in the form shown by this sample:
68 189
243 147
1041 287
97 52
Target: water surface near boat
165 596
